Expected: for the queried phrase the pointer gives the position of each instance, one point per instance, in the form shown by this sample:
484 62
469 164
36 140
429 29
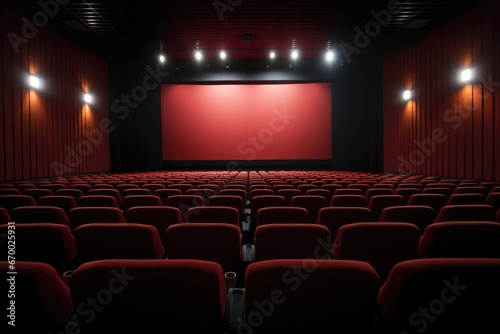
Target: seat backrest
377 191
43 302
282 215
83 187
235 192
380 244
4 216
419 215
228 200
64 202
166 193
466 198
43 242
335 217
326 295
79 216
178 296
108 192
213 214
379 202
217 242
75 193
264 201
311 203
435 201
466 212
140 200
184 203
493 200
461 239
455 295
348 200
99 241
37 193
181 186
292 241
160 217
9 202
288 194
471 190
40 214
320 192
98 200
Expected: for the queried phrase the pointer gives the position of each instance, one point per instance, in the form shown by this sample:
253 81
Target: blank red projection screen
246 122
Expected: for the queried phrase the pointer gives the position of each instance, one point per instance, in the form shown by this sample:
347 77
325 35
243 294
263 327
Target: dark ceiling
246 29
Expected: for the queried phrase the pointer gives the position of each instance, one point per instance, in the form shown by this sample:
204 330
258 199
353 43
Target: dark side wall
135 103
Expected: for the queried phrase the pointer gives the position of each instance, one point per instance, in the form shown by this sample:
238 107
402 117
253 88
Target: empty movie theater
250 166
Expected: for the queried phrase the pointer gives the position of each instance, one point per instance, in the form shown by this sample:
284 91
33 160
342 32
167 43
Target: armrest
245 226
248 254
235 309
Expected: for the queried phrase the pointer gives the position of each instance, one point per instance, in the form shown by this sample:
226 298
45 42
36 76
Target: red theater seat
466 198
140 200
108 192
435 201
166 193
40 214
311 203
335 217
282 215
230 201
87 215
292 241
174 296
10 202
382 245
461 239
379 202
64 202
99 241
213 214
97 200
466 213
419 215
160 217
43 301
438 296
4 216
217 242
288 194
11 191
264 201
348 200
326 295
75 193
43 242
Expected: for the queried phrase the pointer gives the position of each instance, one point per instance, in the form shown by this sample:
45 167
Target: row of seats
380 244
279 296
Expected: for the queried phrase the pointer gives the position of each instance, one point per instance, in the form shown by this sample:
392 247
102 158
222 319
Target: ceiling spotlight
407 95
223 55
198 55
329 56
466 75
295 54
34 81
88 98
162 58
272 54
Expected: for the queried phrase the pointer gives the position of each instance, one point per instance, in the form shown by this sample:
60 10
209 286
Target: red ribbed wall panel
42 130
449 128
